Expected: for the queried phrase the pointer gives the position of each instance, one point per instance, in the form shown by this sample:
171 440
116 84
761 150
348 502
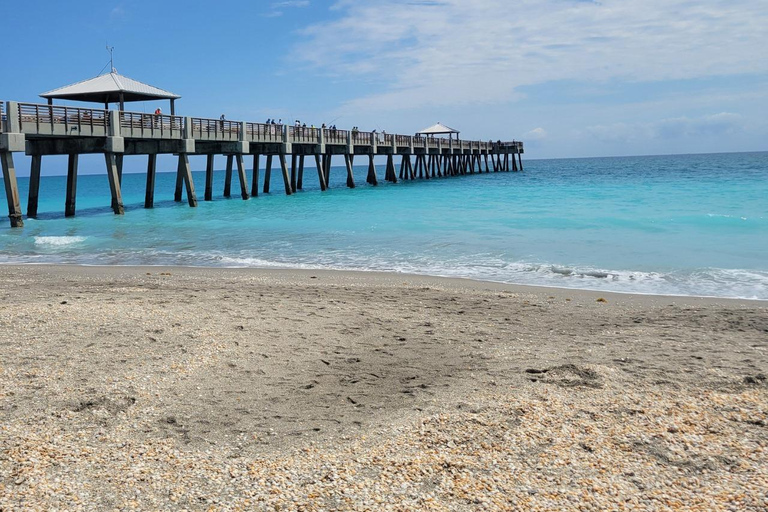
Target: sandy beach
148 388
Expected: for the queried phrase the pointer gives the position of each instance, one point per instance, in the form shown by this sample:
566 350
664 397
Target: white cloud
278 6
454 52
722 124
536 134
290 3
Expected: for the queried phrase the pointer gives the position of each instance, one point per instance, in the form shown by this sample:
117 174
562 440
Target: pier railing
62 121
215 129
261 132
304 134
151 126
362 138
333 136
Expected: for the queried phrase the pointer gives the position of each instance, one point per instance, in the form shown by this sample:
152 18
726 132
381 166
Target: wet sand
171 388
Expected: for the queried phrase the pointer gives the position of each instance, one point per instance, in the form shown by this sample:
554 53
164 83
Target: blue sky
570 78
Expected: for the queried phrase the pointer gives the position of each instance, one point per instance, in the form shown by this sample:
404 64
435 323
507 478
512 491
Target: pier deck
40 130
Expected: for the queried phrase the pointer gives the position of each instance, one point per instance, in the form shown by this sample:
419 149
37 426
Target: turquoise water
689 225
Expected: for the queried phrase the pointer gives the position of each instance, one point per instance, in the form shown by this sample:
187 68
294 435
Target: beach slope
179 388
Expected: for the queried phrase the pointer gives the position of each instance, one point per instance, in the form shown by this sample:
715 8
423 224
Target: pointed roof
108 88
436 129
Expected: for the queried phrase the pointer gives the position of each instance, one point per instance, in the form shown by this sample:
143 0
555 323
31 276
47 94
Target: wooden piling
286 177
34 186
300 181
209 177
402 167
119 164
391 168
268 174
114 183
520 160
320 173
228 176
71 196
328 170
119 167
11 189
255 177
514 164
185 172
350 175
242 176
372 179
293 172
149 194
179 186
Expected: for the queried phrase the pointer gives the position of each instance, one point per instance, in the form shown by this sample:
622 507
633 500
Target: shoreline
242 389
376 275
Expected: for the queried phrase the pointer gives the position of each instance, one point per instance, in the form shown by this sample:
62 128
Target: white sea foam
58 240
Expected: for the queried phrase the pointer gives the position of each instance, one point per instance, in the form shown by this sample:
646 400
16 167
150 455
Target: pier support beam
320 173
208 196
71 196
255 177
514 163
350 176
242 176
520 160
328 161
34 186
286 177
293 172
371 179
268 174
184 173
11 189
228 177
300 180
114 183
149 196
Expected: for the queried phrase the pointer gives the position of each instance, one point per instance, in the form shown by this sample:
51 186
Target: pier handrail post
350 144
287 140
12 141
12 122
410 143
374 142
243 146
321 142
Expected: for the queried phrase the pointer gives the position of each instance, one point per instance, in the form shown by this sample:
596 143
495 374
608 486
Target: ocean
672 225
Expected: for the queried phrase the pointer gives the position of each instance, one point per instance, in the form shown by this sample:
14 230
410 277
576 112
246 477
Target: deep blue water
686 224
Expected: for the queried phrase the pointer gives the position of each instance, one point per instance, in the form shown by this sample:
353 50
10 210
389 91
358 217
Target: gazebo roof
109 87
437 129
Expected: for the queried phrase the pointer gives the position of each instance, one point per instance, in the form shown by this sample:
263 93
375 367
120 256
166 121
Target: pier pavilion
45 129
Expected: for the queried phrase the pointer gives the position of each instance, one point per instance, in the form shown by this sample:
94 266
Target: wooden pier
41 130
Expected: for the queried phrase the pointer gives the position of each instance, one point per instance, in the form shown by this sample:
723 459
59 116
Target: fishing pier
40 130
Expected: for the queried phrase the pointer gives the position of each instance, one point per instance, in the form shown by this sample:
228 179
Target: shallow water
686 224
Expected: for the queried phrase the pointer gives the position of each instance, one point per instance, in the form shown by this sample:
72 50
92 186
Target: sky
570 78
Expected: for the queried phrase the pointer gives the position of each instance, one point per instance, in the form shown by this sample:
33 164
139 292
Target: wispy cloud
453 52
276 8
721 124
117 12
